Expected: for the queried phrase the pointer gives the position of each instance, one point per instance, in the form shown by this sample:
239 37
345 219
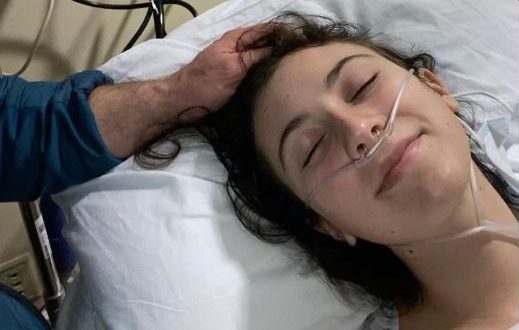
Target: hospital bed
162 249
40 217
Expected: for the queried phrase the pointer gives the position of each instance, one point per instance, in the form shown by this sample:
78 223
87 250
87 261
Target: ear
325 227
435 83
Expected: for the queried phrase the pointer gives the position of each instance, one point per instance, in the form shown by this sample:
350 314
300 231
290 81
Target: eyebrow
297 121
332 76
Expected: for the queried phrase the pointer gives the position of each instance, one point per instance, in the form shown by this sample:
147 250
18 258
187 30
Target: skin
463 289
130 115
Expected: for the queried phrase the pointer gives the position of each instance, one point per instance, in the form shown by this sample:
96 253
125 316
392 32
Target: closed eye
363 87
354 97
310 154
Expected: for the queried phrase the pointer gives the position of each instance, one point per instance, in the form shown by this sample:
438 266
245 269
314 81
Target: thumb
252 56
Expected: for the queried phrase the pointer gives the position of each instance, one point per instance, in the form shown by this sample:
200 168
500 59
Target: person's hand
130 115
214 74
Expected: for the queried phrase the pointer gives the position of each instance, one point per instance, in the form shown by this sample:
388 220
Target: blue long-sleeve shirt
48 136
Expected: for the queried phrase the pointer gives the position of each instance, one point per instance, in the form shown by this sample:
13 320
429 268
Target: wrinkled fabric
18 313
48 136
163 249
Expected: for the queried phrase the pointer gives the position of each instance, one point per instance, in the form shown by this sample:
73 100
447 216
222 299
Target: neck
470 279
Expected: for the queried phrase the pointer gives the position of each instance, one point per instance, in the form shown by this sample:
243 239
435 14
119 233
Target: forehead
295 87
307 67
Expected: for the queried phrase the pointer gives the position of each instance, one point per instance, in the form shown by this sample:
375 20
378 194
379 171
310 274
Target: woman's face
322 107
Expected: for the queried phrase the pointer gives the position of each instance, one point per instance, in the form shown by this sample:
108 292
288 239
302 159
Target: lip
394 166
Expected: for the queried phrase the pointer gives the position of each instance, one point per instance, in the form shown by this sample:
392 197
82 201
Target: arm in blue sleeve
48 136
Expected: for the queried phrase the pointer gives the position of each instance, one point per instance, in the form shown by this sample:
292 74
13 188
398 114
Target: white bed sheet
162 249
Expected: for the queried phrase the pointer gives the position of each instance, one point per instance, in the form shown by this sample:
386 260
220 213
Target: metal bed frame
54 292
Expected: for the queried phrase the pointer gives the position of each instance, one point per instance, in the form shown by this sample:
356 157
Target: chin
440 187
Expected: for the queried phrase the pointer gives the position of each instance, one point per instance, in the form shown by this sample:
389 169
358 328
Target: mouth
397 162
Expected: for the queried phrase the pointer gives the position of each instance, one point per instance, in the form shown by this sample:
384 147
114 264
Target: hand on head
214 74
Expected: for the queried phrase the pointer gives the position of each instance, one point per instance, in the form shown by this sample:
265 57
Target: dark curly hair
259 195
267 207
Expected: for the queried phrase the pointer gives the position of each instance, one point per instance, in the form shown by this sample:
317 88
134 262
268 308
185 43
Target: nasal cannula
510 231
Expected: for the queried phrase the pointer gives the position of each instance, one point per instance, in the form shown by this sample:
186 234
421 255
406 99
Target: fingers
192 114
252 56
241 39
222 67
252 34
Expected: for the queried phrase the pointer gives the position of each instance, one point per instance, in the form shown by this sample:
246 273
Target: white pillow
162 249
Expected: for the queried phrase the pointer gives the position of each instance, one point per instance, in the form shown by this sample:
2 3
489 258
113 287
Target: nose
359 131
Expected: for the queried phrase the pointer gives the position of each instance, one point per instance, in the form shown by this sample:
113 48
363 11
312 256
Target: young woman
319 103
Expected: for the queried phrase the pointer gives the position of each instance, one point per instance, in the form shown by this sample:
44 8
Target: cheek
445 168
415 210
345 202
365 219
324 175
432 193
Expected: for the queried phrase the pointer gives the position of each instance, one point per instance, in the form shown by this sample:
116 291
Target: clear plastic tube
510 231
496 99
370 152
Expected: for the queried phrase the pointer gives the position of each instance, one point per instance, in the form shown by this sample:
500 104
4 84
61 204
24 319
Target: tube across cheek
334 159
